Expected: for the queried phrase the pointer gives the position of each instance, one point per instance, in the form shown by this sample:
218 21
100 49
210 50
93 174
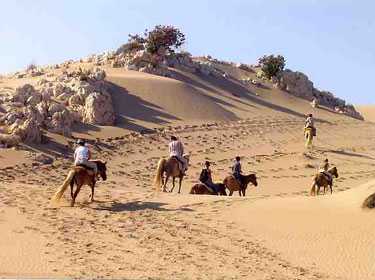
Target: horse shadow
139 206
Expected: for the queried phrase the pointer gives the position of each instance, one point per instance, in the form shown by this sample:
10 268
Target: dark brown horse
79 176
171 168
232 183
202 189
321 180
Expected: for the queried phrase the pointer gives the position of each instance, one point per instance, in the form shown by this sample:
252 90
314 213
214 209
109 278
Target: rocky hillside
56 98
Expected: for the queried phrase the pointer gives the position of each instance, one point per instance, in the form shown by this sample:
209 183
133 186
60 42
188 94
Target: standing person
82 156
237 171
176 149
206 177
309 123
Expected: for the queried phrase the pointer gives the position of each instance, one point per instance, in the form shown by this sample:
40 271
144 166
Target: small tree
272 65
163 36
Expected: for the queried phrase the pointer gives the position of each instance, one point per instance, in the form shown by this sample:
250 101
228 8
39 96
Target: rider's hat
80 142
207 163
238 158
173 138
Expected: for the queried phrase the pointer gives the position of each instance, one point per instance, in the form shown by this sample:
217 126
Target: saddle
88 169
180 163
327 176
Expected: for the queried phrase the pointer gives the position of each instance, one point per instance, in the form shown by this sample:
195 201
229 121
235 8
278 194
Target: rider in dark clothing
206 177
237 171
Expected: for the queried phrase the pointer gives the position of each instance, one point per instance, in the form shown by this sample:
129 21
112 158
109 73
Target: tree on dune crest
272 65
162 38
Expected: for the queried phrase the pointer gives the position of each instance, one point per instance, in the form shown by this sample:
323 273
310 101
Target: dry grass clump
369 202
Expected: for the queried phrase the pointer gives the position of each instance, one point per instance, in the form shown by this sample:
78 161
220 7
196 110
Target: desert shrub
369 202
165 37
31 66
135 43
272 65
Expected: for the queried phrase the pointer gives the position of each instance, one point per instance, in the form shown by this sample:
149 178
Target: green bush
272 65
165 37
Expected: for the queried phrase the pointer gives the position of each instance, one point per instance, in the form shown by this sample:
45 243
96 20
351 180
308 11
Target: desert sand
132 231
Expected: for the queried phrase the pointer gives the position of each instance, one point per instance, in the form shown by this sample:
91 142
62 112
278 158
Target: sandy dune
131 231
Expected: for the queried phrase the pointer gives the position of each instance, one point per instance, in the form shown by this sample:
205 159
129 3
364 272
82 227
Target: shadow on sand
138 206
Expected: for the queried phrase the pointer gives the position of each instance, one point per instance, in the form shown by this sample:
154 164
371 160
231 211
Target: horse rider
237 171
309 123
206 178
82 156
176 149
324 170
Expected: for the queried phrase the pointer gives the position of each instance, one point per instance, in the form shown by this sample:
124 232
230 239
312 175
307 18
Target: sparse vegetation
31 66
165 37
272 65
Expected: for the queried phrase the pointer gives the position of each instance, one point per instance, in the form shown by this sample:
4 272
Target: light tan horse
171 168
309 137
232 184
320 180
80 176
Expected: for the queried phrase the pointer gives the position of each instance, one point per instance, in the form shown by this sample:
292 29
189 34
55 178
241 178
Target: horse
309 135
171 168
232 184
203 189
80 175
320 180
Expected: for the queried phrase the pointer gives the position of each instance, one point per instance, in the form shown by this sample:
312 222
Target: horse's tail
312 191
64 186
159 174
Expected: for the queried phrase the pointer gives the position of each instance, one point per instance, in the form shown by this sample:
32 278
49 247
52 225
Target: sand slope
332 234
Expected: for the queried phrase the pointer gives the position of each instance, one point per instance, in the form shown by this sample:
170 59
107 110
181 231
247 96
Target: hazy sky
332 41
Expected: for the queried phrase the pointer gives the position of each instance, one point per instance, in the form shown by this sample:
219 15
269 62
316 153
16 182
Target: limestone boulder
99 109
296 83
61 122
28 131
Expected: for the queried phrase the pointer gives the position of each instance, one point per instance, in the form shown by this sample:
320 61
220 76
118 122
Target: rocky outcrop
55 105
99 109
298 84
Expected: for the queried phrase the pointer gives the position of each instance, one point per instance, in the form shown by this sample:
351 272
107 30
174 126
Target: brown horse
320 180
171 168
202 189
232 183
80 176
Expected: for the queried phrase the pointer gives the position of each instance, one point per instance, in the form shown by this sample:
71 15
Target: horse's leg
173 184
92 191
165 184
180 183
230 192
244 192
75 195
330 186
71 189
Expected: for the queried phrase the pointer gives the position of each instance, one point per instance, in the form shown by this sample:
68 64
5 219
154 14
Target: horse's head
252 178
102 169
334 172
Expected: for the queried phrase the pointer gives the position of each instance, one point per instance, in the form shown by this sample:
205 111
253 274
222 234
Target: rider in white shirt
176 149
82 156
